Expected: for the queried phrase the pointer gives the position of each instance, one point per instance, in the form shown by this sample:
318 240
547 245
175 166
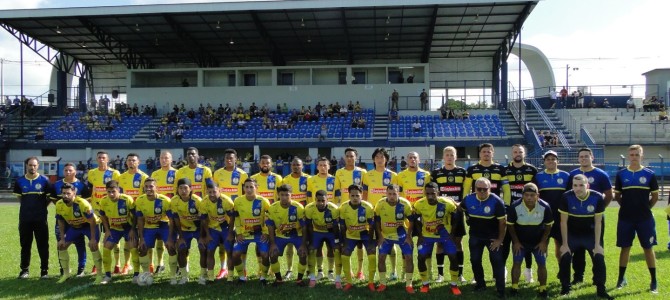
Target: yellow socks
346 268
106 260
372 267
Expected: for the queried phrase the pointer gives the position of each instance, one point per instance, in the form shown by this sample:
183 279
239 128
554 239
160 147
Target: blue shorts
219 237
188 236
350 244
72 234
244 245
116 235
151 234
387 246
540 258
427 247
318 238
646 233
282 242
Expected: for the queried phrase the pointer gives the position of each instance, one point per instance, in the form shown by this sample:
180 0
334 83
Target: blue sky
611 42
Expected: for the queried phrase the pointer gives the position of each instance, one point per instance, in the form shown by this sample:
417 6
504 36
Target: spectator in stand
94 104
424 100
564 98
241 123
301 114
443 111
663 115
606 103
416 126
630 104
354 123
393 115
357 107
548 139
318 108
284 108
451 115
344 111
361 122
580 99
350 106
324 132
592 104
554 139
552 98
253 109
540 138
465 115
178 134
40 134
394 100
410 78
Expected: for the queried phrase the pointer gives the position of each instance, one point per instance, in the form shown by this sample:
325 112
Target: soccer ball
145 279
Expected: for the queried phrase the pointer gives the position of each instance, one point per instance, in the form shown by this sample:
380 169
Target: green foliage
121 288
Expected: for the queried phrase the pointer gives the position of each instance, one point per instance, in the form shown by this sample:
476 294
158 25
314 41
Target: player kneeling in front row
185 227
529 223
117 211
286 225
76 212
321 218
250 215
216 217
153 221
356 221
393 225
433 217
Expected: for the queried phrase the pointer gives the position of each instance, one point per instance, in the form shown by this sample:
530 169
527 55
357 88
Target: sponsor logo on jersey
252 221
393 224
450 189
378 191
357 227
267 194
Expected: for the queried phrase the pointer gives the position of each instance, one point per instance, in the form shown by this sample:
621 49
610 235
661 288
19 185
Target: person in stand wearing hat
529 222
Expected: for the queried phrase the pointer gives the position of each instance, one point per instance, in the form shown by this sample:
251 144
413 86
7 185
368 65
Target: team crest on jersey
257 212
198 177
330 186
219 210
328 219
192 210
560 181
487 209
106 180
271 185
486 175
643 180
38 186
136 183
450 178
590 208
361 219
122 211
303 187
76 214
419 182
357 180
591 180
170 179
158 210
519 177
387 181
440 213
399 216
292 218
235 180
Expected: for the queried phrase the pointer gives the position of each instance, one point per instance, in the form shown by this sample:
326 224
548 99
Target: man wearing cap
552 183
529 224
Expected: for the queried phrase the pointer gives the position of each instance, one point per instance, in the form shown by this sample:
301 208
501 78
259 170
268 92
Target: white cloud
23 4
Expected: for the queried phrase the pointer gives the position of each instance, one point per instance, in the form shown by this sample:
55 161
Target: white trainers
439 279
183 280
175 278
393 277
462 279
202 280
505 274
528 274
319 276
331 276
288 275
106 280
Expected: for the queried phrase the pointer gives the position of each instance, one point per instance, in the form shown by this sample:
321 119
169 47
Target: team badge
192 210
420 182
235 180
122 211
357 180
399 216
643 180
170 179
106 180
590 208
257 211
158 210
361 219
440 213
591 180
486 175
38 186
77 214
303 187
328 219
387 181
519 177
136 183
292 218
487 209
330 187
198 177
219 210
560 181
450 178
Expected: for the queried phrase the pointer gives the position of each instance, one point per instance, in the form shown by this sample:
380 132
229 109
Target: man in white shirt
416 126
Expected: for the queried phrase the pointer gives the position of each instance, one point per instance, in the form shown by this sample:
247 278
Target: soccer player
529 223
267 180
152 211
433 216
217 219
518 173
413 179
229 179
325 182
131 183
83 191
166 184
357 225
633 188
286 225
375 183
198 174
321 220
449 179
598 181
32 192
78 213
185 227
552 183
393 226
487 220
581 224
97 180
297 180
250 214
345 177
116 213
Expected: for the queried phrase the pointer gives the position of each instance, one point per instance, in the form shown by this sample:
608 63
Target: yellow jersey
412 184
119 213
375 183
345 178
230 182
288 222
188 212
358 221
322 221
97 180
76 215
218 212
299 187
166 181
434 216
153 211
199 177
267 185
250 216
328 184
393 220
132 184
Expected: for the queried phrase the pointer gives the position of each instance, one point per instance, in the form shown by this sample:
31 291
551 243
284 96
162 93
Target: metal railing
627 133
550 124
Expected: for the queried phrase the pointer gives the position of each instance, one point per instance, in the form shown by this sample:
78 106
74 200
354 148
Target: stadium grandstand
308 78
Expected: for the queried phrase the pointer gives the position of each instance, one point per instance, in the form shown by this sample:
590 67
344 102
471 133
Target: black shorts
458 224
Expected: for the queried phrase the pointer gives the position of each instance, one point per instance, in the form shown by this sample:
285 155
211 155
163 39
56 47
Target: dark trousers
584 244
477 246
40 230
579 257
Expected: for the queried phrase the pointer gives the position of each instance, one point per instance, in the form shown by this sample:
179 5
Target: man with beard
297 180
267 180
217 219
326 183
185 227
131 183
198 174
166 183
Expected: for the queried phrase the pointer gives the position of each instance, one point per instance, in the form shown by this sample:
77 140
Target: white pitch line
72 290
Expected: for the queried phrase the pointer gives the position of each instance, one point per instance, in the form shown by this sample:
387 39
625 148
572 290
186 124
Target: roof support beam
516 30
201 57
120 50
425 56
275 54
